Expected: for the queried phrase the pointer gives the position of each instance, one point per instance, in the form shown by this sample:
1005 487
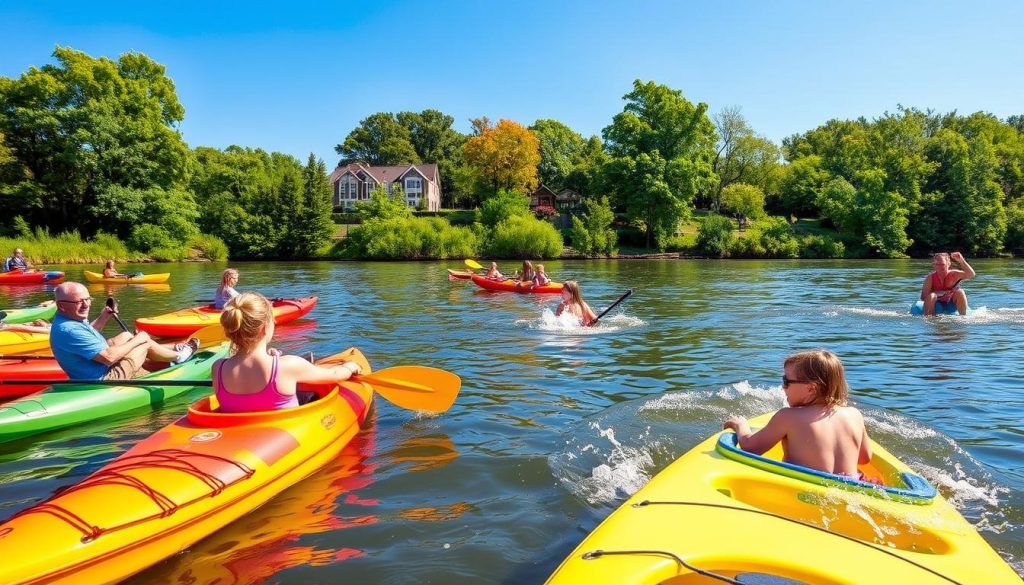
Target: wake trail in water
569 324
981 315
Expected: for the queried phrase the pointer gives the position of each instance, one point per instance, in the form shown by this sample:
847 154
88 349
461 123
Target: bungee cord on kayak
596 554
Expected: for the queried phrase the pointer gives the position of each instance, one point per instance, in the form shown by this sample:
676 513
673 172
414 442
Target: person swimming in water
941 287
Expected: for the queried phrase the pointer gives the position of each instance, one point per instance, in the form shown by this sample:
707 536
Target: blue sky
297 77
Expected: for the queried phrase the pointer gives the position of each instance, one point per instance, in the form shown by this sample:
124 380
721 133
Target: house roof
543 189
568 194
386 174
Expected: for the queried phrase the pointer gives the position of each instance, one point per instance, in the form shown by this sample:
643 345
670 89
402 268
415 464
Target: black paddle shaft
624 296
113 307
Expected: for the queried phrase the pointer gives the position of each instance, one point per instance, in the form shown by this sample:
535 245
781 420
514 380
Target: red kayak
187 321
27 368
19 276
516 286
459 274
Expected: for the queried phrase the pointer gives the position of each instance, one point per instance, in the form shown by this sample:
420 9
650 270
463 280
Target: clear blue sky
297 77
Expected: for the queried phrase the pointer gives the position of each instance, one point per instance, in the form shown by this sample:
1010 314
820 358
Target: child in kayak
817 429
540 278
573 302
226 291
940 287
527 274
493 273
256 378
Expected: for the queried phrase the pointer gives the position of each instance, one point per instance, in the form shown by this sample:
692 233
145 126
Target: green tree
435 141
84 124
503 205
383 205
661 149
593 233
380 139
561 150
746 201
741 156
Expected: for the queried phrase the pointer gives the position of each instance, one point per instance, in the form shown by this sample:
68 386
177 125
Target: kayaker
84 354
941 286
573 302
110 272
37 326
527 274
226 291
259 378
540 278
817 430
17 261
493 273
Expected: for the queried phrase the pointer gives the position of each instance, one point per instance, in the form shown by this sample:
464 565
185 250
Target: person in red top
941 286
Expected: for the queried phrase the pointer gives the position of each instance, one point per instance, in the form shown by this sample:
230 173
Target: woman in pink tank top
256 378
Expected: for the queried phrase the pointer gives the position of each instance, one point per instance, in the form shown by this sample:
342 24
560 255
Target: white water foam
566 323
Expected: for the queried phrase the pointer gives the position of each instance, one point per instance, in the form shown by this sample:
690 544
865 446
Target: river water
556 425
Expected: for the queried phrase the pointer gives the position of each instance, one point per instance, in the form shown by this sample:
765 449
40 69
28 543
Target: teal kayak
15 316
63 406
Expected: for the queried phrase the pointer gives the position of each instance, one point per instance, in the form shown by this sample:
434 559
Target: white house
356 181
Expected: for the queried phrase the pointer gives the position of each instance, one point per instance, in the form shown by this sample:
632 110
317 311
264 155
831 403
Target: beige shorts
125 369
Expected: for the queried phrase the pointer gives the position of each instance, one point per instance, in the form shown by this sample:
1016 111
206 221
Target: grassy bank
70 248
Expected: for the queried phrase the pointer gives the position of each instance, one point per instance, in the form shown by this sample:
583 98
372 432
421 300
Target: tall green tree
661 148
380 139
85 124
741 156
314 226
561 150
436 141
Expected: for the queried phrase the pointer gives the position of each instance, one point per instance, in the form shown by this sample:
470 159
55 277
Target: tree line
92 144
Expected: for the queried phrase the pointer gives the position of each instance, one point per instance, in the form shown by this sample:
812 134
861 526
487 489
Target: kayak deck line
170 459
591 555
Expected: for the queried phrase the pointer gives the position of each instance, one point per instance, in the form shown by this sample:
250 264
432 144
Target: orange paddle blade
415 387
210 335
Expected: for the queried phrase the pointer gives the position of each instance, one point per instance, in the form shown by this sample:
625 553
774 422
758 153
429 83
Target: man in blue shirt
84 354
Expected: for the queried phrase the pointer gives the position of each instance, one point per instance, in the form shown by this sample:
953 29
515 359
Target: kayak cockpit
883 481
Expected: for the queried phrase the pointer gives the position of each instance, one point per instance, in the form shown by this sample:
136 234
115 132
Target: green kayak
15 316
68 405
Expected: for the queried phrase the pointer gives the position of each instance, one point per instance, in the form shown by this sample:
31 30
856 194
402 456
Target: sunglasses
84 301
786 382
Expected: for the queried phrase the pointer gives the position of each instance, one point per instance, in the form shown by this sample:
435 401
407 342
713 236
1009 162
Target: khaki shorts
125 369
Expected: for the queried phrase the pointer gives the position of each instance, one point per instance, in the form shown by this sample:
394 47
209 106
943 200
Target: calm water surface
555 425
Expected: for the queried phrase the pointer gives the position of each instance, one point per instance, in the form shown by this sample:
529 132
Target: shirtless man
941 285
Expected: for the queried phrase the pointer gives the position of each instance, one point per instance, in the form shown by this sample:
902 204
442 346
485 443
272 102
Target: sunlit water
557 424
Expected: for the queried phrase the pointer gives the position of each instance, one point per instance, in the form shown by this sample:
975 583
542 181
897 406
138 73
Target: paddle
473 264
26 357
412 387
624 296
113 307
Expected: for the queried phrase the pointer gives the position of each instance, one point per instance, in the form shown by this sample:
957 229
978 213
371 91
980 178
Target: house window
351 189
413 185
369 189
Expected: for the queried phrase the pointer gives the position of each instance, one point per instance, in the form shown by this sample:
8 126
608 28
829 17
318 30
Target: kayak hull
30 277
27 369
68 405
187 321
44 311
460 274
940 308
726 516
96 277
15 342
510 285
206 470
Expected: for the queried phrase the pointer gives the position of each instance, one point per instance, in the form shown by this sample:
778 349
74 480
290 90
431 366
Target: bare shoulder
292 362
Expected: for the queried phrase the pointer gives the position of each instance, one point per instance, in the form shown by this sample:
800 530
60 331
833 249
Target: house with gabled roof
355 182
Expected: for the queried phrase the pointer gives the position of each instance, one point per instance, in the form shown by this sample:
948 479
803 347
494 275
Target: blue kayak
940 308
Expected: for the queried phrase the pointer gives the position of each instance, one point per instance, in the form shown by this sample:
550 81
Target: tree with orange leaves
504 156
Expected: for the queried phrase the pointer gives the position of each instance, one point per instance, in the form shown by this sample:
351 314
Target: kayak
460 274
96 277
187 321
27 368
43 311
510 285
184 482
72 404
14 342
757 520
19 276
940 308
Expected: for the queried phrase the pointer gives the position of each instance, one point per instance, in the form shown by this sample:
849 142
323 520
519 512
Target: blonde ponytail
245 320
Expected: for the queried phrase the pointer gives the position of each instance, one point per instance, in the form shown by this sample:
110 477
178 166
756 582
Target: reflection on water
555 424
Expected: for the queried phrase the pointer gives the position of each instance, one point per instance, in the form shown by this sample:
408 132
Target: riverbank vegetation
91 144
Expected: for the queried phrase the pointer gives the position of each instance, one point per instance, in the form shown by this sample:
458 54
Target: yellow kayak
96 277
754 519
16 342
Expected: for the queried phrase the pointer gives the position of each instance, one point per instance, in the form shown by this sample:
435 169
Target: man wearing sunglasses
83 352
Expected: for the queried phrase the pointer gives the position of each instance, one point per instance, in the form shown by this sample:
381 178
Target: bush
398 238
715 237
525 237
768 238
502 206
210 247
42 248
147 237
1014 239
816 246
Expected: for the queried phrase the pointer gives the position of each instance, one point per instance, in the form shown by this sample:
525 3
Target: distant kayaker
17 261
256 378
226 291
37 326
527 274
540 278
493 273
84 354
110 272
817 430
941 286
573 302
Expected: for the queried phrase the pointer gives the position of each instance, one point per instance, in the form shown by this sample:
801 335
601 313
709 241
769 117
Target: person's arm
305 372
865 444
115 353
101 320
764 439
926 289
561 307
967 270
589 316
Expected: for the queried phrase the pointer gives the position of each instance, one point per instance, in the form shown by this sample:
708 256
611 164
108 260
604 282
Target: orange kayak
510 285
187 321
182 483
